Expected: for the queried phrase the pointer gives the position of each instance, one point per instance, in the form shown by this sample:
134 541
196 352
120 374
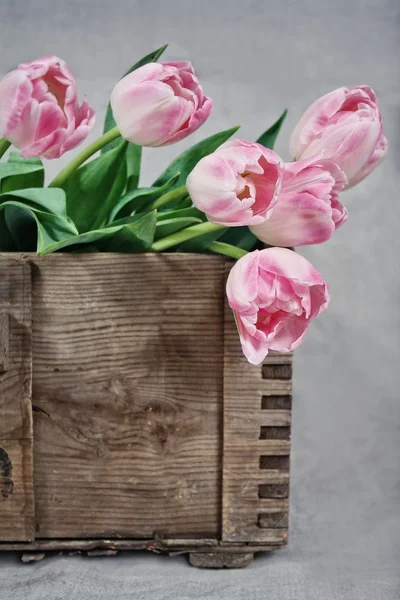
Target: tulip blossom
308 210
39 109
238 184
374 160
159 104
274 294
345 126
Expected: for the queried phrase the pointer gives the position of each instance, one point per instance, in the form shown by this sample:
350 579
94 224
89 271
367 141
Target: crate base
206 553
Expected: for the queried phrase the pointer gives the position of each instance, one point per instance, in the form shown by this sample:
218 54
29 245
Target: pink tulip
308 210
236 185
39 109
159 104
344 125
274 294
374 160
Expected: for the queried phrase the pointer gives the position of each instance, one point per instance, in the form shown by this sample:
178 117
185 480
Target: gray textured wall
255 58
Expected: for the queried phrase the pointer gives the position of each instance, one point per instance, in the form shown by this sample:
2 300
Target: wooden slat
16 353
127 394
257 405
16 491
16 487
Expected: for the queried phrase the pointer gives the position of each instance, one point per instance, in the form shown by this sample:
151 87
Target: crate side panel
127 395
16 488
256 449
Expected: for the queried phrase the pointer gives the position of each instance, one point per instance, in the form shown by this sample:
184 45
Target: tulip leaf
50 200
240 237
167 226
19 173
134 236
18 214
133 161
109 122
181 214
201 242
268 138
137 199
95 186
189 159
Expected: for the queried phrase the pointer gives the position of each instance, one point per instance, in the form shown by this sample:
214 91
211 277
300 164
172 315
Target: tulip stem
177 194
184 235
4 146
82 157
227 250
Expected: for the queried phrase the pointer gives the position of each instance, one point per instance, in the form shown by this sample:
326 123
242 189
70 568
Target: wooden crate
129 418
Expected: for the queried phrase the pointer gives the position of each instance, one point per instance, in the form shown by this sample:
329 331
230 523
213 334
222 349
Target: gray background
255 58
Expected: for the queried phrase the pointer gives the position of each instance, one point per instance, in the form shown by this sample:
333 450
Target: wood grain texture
16 486
213 560
16 348
4 341
127 395
16 491
257 411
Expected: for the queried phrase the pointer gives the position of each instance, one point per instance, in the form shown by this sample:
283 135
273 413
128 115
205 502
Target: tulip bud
274 294
308 210
39 109
159 104
238 184
345 126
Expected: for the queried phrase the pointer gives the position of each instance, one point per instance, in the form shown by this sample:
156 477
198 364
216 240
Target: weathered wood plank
127 395
213 560
16 348
257 411
16 491
4 341
16 487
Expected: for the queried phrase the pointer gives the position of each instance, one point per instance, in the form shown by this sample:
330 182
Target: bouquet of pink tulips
223 195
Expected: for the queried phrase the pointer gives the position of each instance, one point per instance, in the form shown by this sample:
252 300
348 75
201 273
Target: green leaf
138 198
181 214
201 242
95 186
20 210
22 227
167 226
268 138
189 159
51 200
133 160
19 173
241 237
50 227
109 122
135 236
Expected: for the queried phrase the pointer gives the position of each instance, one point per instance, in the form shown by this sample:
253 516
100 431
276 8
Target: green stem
227 250
185 234
4 146
160 202
80 158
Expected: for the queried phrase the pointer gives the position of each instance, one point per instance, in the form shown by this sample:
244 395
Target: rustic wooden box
129 418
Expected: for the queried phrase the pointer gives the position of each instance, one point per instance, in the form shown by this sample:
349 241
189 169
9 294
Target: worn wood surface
212 560
127 394
16 488
157 545
256 417
15 348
